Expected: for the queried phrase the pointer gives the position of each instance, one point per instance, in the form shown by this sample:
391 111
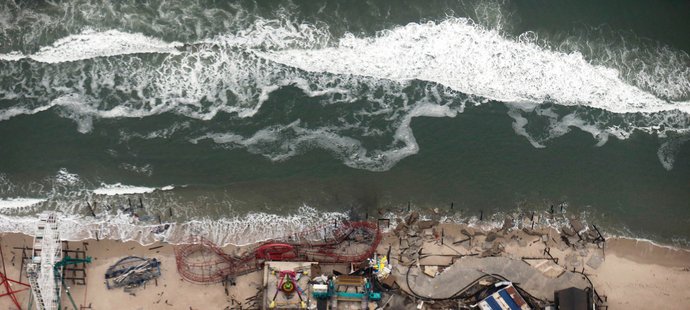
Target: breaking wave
15 203
115 211
239 230
91 44
367 88
468 58
120 189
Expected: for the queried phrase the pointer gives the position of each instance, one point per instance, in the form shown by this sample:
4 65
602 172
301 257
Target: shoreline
631 272
145 230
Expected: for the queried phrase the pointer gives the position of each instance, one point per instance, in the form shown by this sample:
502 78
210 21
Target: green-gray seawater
225 109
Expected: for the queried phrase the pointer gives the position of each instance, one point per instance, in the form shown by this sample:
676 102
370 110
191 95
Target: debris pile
131 272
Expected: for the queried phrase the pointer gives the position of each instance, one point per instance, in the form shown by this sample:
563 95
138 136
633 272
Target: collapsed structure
201 261
131 272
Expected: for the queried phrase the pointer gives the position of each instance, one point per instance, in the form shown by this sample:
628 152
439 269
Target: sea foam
466 57
416 70
238 230
90 44
120 189
15 203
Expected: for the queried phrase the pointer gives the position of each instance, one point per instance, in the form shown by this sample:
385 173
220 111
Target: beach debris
590 235
426 224
491 236
431 271
468 231
389 281
381 266
460 239
531 232
91 209
567 231
577 225
508 223
160 229
495 249
547 266
131 272
595 260
412 218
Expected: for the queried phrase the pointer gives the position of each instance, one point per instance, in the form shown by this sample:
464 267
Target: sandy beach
632 274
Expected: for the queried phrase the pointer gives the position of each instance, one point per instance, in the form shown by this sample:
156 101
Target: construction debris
132 272
431 271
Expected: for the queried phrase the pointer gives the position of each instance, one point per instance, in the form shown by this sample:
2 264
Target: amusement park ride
201 261
7 283
285 262
45 270
346 288
288 284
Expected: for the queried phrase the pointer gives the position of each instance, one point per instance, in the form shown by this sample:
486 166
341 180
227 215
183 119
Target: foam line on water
12 56
16 203
466 57
17 111
669 149
121 189
91 44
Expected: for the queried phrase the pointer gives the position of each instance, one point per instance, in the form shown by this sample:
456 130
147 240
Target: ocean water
247 119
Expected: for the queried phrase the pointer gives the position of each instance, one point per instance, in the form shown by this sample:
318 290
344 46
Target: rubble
569 232
577 225
412 218
531 232
490 237
503 252
426 224
495 249
590 235
461 239
508 223
389 281
468 231
431 271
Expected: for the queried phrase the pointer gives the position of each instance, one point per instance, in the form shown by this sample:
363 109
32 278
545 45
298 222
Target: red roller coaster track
201 261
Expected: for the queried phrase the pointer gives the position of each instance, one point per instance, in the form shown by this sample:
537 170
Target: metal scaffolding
47 251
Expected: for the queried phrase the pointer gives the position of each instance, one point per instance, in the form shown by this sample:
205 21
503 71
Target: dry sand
634 275
642 275
169 291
